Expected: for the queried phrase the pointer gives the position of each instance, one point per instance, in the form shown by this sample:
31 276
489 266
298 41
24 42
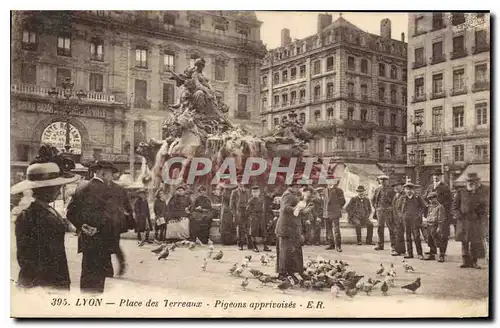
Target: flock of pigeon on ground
319 274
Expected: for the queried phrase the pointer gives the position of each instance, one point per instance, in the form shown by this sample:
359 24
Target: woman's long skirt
289 259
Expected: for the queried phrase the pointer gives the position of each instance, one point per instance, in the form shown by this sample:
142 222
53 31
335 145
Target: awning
356 174
368 170
482 170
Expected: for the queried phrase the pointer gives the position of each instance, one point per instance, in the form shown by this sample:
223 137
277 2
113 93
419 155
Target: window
28 73
394 72
329 113
302 95
437 20
481 152
264 80
381 118
242 35
437 51
96 49
95 82
381 69
404 97
283 119
29 40
329 90
63 74
381 93
419 87
64 45
242 103
458 79
22 152
457 19
220 70
481 113
350 64
328 145
264 103
293 73
350 113
284 99
219 29
458 117
393 120
242 74
437 119
350 144
393 95
363 115
364 90
419 56
458 44
364 146
276 78
168 93
276 100
329 63
169 62
141 93
458 153
302 117
276 121
481 38
302 71
393 147
350 90
436 155
317 115
364 66
405 122
285 75
317 92
168 21
141 57
381 147
419 25
317 67
437 83
481 72
419 113
293 97
404 74
139 132
194 23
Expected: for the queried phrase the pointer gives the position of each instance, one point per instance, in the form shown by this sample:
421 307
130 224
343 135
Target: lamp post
66 101
415 157
438 115
389 170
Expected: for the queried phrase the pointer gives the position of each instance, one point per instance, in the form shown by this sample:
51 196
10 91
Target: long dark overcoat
471 211
142 215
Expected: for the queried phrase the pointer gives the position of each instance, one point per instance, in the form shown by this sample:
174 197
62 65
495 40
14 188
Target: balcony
416 65
438 59
456 54
480 86
356 124
244 115
321 125
478 48
38 91
457 92
142 103
418 98
480 159
438 95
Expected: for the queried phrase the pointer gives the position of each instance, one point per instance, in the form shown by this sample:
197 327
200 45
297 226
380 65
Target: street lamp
66 101
416 157
389 170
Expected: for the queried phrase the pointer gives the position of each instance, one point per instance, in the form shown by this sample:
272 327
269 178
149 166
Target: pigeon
218 256
392 270
173 247
141 243
334 290
389 279
244 283
384 288
238 271
158 249
319 285
264 260
351 292
285 284
248 257
210 242
265 279
233 268
413 286
407 267
368 286
211 247
272 256
307 284
191 245
204 266
164 254
256 273
380 271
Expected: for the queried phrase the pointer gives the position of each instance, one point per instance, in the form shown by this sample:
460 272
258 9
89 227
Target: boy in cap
436 224
412 208
359 210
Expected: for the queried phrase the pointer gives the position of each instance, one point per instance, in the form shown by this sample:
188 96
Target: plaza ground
446 290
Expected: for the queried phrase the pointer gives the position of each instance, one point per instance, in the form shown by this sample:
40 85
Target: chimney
323 21
403 37
285 37
385 28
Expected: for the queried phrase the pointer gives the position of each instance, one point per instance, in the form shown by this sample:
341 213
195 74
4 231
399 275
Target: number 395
59 302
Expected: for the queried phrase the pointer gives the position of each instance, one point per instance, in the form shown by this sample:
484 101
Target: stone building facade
121 60
348 87
449 89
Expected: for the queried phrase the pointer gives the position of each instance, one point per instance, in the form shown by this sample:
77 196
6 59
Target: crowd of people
288 217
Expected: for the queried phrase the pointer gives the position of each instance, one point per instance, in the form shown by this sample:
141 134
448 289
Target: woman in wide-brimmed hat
40 229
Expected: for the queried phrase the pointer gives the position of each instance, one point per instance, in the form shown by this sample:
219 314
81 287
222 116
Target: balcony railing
416 65
457 92
458 54
480 159
480 86
242 114
142 103
437 95
419 98
36 90
478 48
438 59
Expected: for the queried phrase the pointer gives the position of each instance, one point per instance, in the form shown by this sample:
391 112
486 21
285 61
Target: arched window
302 117
317 93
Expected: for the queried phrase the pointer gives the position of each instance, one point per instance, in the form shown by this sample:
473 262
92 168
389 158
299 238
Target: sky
303 24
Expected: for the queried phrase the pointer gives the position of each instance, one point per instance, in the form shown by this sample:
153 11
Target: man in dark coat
258 212
90 213
238 203
142 217
444 198
334 202
412 209
471 211
399 227
201 216
382 202
359 210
